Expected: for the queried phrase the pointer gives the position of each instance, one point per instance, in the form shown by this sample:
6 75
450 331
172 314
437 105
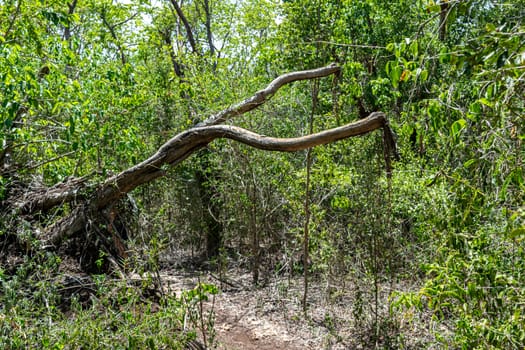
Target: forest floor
271 317
247 318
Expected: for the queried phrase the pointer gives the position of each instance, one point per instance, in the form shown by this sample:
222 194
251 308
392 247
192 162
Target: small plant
196 315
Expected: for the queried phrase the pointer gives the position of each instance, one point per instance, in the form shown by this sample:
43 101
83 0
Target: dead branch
264 95
152 168
177 149
184 144
46 198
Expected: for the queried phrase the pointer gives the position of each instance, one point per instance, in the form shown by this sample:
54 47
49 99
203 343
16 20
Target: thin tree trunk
443 14
210 206
252 196
67 28
306 243
209 33
187 26
177 68
111 29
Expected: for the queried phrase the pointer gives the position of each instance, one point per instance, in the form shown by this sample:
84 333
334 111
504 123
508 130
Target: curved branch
264 95
374 121
184 144
152 168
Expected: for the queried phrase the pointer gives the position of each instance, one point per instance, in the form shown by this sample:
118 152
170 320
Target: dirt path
340 313
249 319
240 326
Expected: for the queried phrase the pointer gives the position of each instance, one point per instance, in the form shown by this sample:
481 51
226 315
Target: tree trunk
91 205
212 225
443 14
187 26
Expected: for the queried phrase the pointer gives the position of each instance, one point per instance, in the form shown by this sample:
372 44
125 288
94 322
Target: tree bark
187 26
209 35
443 14
67 28
94 200
177 68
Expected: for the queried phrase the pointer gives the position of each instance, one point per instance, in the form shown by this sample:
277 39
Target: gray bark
181 147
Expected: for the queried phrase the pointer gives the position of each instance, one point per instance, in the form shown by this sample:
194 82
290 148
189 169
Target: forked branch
184 144
188 142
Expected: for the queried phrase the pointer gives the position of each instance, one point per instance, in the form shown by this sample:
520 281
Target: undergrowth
43 308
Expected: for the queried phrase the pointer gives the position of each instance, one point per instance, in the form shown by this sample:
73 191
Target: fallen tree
92 206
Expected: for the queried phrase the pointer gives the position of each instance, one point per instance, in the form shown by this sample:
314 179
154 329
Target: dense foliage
91 87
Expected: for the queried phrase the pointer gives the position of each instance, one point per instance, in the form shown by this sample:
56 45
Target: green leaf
456 127
475 107
424 75
469 162
489 27
444 56
517 233
414 48
395 75
433 7
486 102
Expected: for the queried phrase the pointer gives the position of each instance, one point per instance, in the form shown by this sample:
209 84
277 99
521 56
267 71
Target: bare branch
264 95
209 34
47 198
111 29
184 144
66 227
188 142
176 150
375 121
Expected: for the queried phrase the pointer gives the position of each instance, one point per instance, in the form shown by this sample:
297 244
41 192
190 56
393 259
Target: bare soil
341 314
245 318
272 318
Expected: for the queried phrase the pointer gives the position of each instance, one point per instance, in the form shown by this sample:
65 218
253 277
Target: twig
362 46
225 281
